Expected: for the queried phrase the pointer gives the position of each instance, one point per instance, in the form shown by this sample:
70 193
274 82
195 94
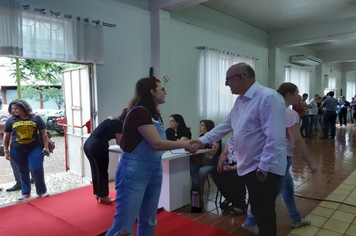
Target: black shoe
225 204
323 137
14 188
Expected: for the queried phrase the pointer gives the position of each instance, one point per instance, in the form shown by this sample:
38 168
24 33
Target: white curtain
215 98
56 38
332 83
350 90
299 77
10 28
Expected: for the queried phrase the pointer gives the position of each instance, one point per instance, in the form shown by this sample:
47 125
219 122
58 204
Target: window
55 37
331 85
350 90
215 98
299 77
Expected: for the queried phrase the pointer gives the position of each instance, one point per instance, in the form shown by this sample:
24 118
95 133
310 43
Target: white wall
182 90
285 54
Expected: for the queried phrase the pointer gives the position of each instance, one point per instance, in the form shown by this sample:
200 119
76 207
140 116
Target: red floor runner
76 213
172 224
73 213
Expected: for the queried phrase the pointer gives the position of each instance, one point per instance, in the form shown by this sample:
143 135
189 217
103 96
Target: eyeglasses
227 79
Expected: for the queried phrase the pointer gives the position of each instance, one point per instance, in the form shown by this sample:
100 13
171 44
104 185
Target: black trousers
305 125
231 186
262 196
342 116
98 155
329 121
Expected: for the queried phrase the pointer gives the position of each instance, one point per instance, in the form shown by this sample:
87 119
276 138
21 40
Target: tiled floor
335 180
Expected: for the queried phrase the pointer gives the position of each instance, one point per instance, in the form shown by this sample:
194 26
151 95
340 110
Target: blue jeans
24 159
351 117
286 188
312 119
199 172
319 120
138 182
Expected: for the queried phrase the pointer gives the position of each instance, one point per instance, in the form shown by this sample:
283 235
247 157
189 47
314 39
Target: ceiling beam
173 5
348 66
322 32
337 55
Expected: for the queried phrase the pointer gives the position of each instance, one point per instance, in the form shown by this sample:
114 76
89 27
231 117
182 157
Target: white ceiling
275 15
320 25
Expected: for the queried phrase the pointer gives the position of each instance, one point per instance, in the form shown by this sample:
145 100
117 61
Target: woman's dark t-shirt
24 132
131 137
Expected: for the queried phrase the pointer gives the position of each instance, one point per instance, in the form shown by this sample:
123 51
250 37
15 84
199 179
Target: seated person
228 182
201 164
177 130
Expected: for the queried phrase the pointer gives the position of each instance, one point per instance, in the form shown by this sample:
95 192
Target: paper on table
179 151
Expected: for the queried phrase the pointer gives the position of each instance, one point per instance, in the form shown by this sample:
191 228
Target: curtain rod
225 52
298 68
69 16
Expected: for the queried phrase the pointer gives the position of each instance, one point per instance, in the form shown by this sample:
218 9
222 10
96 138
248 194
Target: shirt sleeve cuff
203 140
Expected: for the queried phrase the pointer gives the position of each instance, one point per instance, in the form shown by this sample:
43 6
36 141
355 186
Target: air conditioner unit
305 60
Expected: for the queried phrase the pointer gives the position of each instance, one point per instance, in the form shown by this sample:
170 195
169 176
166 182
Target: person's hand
313 168
45 151
220 167
7 155
196 141
228 168
191 147
261 175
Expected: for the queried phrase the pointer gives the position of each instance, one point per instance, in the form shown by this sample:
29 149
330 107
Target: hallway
335 181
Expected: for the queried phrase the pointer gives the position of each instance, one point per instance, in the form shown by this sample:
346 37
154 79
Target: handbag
203 159
51 144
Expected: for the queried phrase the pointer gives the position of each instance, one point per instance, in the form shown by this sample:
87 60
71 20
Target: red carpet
76 213
172 224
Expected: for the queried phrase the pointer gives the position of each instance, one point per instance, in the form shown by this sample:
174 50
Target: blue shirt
353 108
330 104
343 109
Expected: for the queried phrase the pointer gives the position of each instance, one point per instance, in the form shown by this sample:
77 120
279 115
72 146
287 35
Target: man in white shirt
258 124
313 112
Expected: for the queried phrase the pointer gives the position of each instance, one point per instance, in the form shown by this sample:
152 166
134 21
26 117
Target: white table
175 191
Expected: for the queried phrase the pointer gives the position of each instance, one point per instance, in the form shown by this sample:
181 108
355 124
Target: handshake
193 145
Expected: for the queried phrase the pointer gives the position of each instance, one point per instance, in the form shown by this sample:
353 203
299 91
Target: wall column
274 79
